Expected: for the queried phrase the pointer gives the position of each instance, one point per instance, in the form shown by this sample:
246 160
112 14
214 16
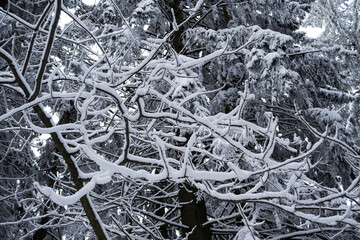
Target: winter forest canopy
184 119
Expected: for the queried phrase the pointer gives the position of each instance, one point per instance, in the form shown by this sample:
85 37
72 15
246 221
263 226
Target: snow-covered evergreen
144 119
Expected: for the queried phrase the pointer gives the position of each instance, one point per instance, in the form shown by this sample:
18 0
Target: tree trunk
193 214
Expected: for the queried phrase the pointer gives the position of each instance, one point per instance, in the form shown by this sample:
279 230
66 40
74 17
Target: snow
144 6
91 2
246 233
100 178
196 8
158 114
270 58
324 114
65 19
312 32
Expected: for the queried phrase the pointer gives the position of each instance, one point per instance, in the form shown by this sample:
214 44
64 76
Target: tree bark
193 213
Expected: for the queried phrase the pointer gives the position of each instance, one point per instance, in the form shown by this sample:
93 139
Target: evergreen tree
177 119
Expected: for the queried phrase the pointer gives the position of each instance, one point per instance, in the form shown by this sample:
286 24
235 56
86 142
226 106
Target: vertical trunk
163 227
193 213
41 232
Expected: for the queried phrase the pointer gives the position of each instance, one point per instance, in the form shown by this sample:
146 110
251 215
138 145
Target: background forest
184 119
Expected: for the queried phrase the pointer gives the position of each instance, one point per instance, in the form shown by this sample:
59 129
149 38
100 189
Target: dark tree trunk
42 232
163 228
67 117
193 213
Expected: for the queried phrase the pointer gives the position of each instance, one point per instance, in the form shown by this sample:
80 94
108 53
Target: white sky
312 32
90 2
64 18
